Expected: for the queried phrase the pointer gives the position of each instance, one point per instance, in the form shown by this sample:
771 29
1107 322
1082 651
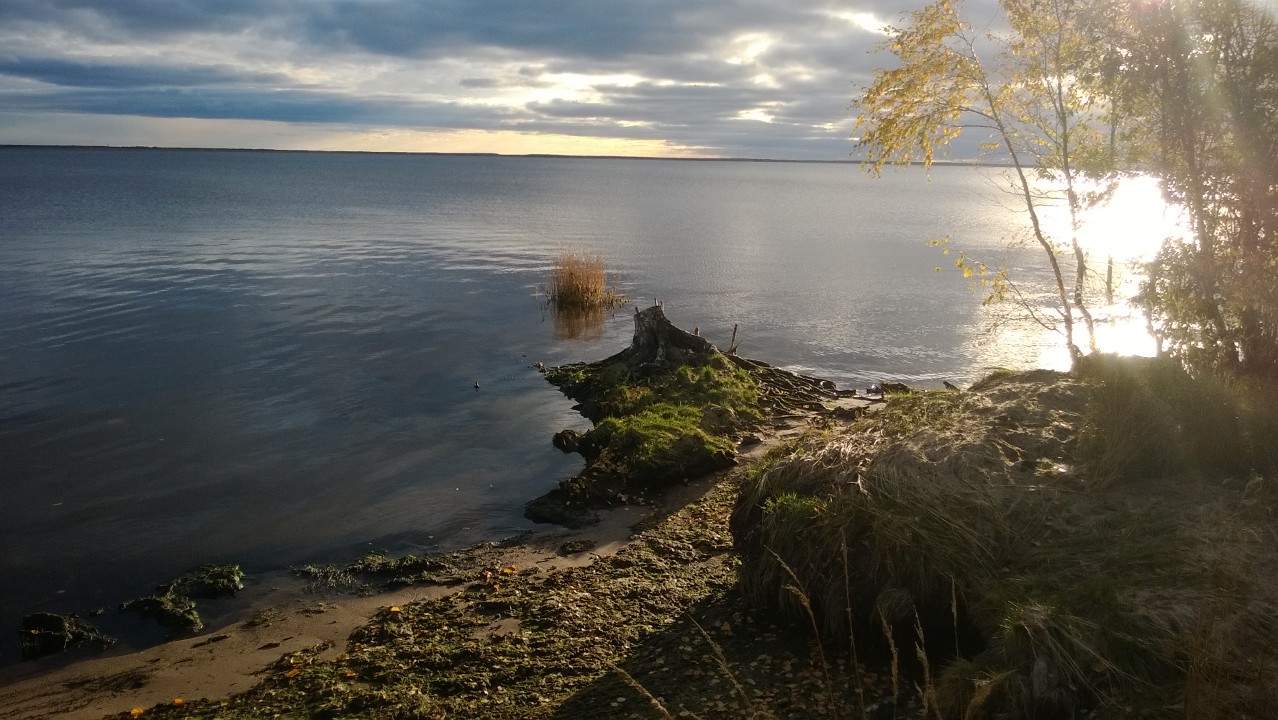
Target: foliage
1086 90
1205 75
1033 101
1148 417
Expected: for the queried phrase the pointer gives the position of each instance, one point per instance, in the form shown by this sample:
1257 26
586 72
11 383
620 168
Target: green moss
655 425
658 437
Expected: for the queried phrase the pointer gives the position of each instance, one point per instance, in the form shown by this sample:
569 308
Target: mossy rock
173 610
173 604
211 581
46 634
406 570
668 408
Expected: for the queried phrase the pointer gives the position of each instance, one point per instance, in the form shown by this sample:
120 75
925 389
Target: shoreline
274 615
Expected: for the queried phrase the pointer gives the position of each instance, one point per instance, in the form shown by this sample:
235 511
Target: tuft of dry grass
579 280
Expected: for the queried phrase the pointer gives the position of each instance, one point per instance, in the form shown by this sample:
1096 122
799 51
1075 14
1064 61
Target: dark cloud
706 73
145 18
107 75
279 106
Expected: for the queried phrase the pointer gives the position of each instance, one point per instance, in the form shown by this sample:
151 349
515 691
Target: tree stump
658 343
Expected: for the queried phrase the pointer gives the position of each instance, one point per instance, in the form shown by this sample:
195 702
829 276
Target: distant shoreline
938 163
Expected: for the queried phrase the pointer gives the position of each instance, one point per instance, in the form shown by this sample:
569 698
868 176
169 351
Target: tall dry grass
1038 511
579 280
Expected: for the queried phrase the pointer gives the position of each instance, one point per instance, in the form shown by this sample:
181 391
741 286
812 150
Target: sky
674 78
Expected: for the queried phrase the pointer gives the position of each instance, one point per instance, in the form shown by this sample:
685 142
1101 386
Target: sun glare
1129 228
1133 223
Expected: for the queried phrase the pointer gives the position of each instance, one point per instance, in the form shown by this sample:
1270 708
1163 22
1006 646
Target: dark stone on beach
556 507
888 388
848 413
569 441
47 633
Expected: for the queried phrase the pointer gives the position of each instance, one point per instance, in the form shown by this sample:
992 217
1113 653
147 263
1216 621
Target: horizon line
849 161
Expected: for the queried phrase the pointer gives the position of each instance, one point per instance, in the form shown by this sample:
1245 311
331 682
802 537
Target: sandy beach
273 616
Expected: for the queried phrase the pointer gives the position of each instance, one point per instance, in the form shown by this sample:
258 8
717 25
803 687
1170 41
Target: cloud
81 74
768 78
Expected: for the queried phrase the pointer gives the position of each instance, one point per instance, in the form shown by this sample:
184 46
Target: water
269 358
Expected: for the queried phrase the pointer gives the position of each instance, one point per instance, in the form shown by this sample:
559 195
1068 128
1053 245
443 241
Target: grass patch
579 280
655 426
1148 417
1095 534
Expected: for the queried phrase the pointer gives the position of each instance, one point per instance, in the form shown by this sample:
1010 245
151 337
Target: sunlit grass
579 280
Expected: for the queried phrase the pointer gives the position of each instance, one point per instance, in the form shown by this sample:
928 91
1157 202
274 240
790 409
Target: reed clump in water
1087 531
579 281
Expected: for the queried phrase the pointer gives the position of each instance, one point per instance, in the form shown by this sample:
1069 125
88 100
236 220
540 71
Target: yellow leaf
394 608
135 712
179 701
293 672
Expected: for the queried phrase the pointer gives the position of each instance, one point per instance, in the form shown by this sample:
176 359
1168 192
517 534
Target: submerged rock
558 508
173 604
211 581
568 441
173 610
47 633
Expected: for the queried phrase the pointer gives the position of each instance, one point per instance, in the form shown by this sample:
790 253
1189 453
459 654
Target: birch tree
1038 99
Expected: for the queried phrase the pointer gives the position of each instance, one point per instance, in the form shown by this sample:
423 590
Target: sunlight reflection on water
1128 228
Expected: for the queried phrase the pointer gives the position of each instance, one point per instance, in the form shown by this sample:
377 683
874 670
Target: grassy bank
1042 545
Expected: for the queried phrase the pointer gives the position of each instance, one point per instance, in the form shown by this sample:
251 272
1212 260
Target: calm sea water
269 358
